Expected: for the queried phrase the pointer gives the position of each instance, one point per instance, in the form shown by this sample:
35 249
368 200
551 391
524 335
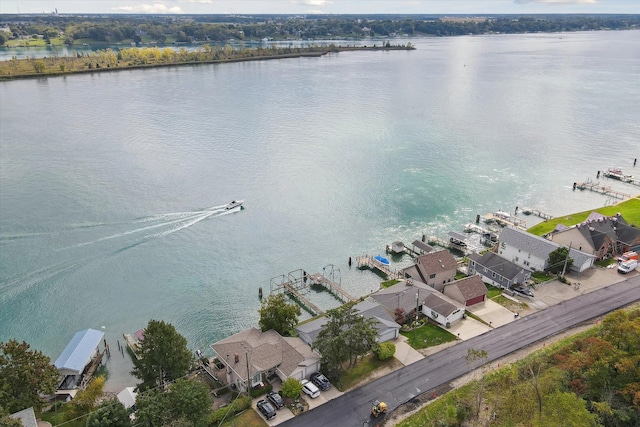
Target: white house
440 310
532 252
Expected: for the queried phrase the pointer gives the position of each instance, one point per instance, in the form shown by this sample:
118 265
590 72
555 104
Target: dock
504 219
367 261
536 212
334 289
596 187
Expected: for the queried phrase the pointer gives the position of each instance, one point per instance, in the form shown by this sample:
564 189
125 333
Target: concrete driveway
405 353
492 313
468 328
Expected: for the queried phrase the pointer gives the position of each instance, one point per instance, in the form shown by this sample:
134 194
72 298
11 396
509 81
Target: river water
111 185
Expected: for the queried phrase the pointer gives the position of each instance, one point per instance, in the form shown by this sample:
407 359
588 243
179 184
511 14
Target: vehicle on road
522 290
625 267
378 408
310 389
320 380
275 399
266 409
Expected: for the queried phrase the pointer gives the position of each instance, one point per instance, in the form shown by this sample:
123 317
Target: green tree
384 350
346 337
7 421
110 413
85 400
164 355
39 66
24 376
557 260
567 410
291 388
277 314
189 400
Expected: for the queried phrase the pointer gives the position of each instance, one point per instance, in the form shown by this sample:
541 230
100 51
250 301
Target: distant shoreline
303 53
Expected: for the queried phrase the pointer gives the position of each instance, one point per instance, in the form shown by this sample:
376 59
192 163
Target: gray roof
496 263
457 236
27 417
438 304
538 246
422 246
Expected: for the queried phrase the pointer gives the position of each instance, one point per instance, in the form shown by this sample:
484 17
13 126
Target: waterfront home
436 269
497 271
599 235
251 356
440 310
468 291
385 324
532 252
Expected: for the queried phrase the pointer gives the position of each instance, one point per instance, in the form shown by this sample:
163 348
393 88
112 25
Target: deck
370 262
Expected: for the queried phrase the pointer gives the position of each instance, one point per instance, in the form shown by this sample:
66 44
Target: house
435 269
387 328
27 417
532 252
468 291
407 297
79 359
440 310
496 270
599 235
251 355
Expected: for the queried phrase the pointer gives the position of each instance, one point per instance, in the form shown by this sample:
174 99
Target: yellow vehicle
379 408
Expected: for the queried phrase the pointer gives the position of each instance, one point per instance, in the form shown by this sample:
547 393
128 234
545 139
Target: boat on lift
234 204
382 260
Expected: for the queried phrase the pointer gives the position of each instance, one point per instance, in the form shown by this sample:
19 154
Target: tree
291 388
477 358
184 401
164 355
7 421
347 336
110 413
24 376
557 259
85 400
278 315
567 410
384 351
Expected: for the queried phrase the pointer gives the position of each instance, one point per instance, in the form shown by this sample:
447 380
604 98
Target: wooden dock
334 289
503 220
596 187
370 262
536 212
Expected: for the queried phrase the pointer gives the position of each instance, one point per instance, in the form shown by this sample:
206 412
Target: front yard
428 335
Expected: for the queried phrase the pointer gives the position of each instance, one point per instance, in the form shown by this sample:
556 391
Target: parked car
275 399
321 381
310 389
266 409
522 290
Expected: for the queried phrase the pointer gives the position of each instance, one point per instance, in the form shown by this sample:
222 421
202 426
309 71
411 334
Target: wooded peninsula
142 41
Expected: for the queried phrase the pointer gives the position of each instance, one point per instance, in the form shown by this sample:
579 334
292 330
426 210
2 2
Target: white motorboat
234 204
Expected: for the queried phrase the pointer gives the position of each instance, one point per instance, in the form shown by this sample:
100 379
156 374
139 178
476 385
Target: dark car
275 399
522 290
266 409
320 380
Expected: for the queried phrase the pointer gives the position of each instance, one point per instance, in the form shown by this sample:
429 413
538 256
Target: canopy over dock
79 352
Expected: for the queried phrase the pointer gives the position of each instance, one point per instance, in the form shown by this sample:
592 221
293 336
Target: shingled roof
439 305
497 264
470 287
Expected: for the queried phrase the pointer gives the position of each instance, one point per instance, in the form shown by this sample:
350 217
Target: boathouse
80 358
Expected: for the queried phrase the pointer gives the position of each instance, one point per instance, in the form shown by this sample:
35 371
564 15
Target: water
111 184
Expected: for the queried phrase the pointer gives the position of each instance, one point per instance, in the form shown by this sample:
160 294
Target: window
432 276
526 262
517 259
493 274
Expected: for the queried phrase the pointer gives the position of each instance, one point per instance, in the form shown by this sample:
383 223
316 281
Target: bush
236 406
384 350
260 391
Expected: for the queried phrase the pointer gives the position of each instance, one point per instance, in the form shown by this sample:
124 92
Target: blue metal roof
79 350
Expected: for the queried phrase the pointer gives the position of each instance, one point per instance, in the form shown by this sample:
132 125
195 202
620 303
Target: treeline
220 28
590 380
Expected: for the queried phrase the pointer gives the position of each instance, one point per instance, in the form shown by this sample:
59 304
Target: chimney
237 358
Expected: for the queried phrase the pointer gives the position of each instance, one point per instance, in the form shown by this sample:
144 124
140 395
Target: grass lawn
541 277
248 418
630 210
605 262
428 336
493 291
389 283
363 368
58 417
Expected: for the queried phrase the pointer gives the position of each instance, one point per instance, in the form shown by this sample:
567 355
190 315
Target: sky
321 6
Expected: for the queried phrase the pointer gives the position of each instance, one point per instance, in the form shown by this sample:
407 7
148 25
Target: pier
536 212
602 189
371 262
334 289
504 219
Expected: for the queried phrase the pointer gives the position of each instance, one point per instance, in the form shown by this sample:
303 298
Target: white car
310 389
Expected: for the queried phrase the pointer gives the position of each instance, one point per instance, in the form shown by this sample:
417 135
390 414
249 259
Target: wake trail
187 224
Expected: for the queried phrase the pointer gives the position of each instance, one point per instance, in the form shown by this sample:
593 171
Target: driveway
492 313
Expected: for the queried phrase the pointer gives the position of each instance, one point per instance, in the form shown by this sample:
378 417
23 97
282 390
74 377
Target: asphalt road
396 388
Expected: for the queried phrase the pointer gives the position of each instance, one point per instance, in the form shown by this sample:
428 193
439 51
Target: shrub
260 391
384 350
236 406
